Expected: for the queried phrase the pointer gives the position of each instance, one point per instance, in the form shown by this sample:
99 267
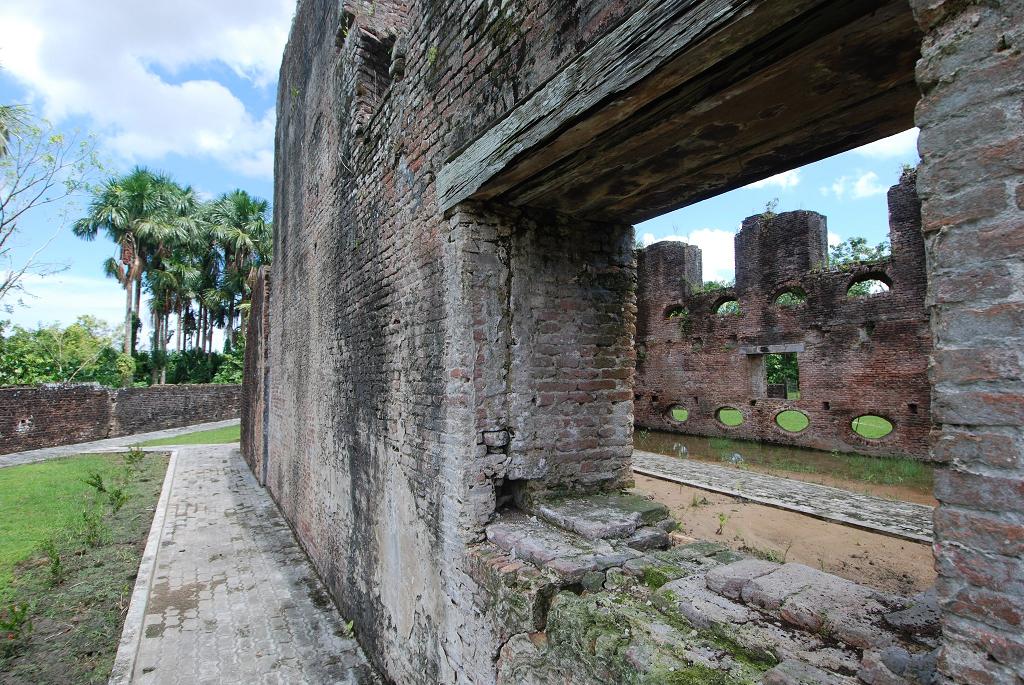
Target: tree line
194 258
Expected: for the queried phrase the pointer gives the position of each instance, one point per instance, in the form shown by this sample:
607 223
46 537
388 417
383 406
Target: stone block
730 580
702 607
793 672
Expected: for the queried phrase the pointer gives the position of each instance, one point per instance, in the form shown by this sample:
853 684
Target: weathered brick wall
255 377
859 355
137 410
386 433
395 374
972 150
33 418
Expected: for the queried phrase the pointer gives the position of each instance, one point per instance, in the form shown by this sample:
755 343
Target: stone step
609 516
550 547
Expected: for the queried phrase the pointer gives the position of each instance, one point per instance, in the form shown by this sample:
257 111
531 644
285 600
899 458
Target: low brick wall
33 418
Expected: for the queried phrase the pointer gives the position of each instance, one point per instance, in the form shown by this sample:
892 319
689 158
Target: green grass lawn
871 427
792 420
730 416
69 558
37 499
216 436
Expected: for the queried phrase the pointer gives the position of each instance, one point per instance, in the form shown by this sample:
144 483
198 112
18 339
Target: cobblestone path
233 598
31 456
900 519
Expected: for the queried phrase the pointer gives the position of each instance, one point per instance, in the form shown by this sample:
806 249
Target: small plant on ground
95 481
55 566
117 498
15 627
723 518
697 502
94 529
350 629
133 459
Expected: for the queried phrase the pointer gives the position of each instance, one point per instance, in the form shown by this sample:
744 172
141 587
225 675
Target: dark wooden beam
764 91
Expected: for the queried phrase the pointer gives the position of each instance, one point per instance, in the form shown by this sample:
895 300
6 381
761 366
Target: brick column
970 181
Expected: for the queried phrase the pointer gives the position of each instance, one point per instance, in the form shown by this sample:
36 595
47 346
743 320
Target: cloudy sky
189 88
186 87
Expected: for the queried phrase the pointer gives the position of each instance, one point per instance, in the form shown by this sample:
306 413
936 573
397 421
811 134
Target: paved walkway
900 519
233 598
16 458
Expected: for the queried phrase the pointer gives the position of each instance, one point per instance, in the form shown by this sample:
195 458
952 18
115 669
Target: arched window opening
675 311
869 285
729 307
791 297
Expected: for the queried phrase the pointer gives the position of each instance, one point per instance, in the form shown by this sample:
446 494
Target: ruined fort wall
856 355
386 433
33 418
972 144
254 398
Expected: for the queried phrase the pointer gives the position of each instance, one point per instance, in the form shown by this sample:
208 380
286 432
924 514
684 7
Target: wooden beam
644 47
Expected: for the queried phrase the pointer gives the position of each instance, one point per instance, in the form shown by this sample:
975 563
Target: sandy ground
872 559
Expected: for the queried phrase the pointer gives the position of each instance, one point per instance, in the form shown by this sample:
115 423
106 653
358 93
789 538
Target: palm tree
141 212
239 223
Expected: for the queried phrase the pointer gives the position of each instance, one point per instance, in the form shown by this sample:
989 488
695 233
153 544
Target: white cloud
106 60
900 145
867 184
833 238
786 180
716 247
64 297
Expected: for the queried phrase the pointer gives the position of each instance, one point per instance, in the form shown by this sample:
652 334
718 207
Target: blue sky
189 88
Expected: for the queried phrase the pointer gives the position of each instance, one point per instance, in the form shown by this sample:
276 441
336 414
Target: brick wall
386 434
254 403
32 418
387 442
972 147
857 355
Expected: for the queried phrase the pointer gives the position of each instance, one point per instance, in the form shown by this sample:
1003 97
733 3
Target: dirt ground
879 561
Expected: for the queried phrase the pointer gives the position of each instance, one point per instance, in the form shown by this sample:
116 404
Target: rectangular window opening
782 375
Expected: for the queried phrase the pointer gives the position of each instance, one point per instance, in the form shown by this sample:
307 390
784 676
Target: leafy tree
143 213
40 168
85 351
854 251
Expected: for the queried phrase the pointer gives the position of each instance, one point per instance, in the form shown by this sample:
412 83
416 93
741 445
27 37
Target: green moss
654 577
695 674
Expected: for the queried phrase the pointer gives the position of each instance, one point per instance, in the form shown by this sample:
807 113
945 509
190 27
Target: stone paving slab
899 519
31 456
234 599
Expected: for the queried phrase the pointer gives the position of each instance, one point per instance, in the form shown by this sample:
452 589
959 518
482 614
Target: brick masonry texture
972 147
423 365
32 418
858 356
254 407
424 348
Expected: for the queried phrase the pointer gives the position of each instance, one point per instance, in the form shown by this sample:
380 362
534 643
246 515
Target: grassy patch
792 420
871 427
215 436
730 416
74 549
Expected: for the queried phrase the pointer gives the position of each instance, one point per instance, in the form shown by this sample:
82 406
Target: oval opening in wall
678 414
729 416
792 421
871 427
